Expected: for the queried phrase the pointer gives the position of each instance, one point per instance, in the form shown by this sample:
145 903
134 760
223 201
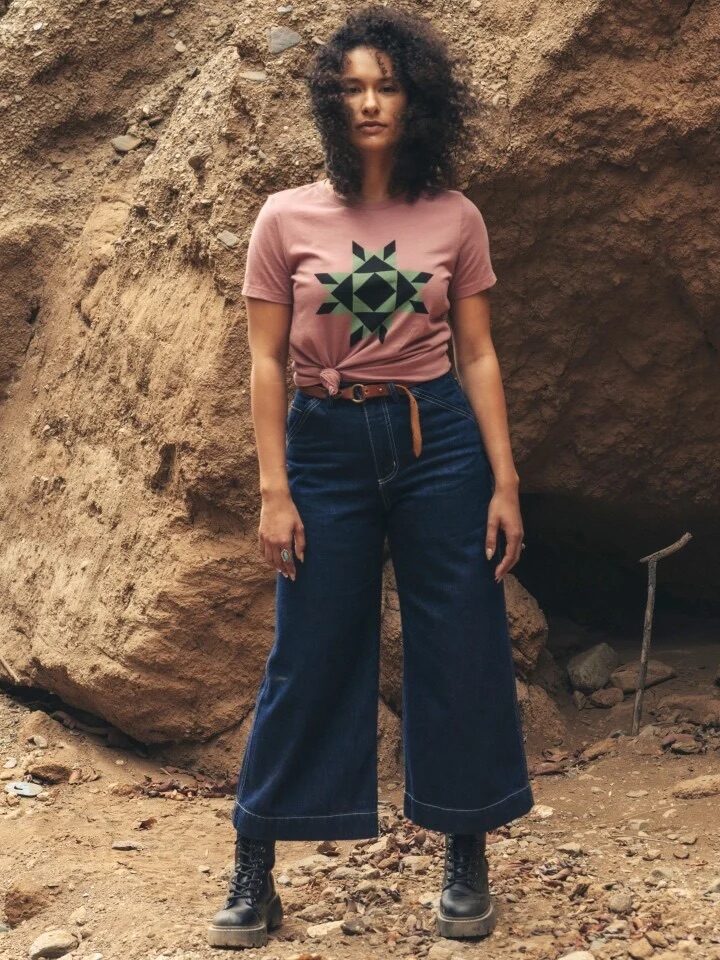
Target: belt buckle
356 399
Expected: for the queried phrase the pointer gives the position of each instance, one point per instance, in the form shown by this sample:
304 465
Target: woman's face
372 95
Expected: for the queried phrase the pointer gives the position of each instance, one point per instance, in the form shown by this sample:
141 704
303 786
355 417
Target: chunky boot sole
244 936
479 926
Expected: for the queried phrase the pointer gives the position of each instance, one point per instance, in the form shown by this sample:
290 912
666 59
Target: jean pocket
298 414
452 399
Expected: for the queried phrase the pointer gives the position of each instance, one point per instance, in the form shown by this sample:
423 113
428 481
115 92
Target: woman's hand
280 528
504 513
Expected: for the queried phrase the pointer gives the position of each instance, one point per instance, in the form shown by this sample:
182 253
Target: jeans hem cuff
448 820
346 826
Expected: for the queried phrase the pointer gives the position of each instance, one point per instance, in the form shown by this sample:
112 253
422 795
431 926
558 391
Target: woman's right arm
280 523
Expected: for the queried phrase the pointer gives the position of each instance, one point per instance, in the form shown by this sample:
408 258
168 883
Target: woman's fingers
279 551
513 549
283 559
491 534
300 541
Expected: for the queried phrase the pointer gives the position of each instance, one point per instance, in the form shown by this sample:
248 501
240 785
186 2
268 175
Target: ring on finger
285 554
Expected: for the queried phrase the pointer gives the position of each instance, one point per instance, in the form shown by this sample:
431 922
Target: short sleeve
266 271
473 270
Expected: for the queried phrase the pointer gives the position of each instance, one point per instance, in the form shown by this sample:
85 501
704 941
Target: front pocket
466 412
297 416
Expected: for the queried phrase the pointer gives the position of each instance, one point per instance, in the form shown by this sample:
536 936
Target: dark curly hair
439 103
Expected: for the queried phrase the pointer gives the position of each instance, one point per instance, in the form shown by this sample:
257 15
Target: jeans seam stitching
303 417
444 403
470 809
317 816
250 744
377 466
396 459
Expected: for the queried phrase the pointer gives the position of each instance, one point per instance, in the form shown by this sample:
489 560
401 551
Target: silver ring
522 546
285 554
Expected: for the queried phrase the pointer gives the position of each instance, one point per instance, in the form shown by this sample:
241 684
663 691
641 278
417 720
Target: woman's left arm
478 370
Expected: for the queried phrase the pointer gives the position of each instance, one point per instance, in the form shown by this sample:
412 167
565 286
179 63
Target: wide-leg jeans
310 765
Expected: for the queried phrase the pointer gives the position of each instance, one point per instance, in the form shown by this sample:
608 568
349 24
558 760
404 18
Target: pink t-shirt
370 286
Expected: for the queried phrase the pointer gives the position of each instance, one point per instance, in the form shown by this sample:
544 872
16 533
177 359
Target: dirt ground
609 864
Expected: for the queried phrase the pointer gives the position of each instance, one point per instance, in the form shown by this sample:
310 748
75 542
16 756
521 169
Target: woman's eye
388 88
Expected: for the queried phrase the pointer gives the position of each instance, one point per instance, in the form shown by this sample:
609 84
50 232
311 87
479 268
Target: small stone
53 943
353 924
620 903
323 929
625 678
599 749
79 916
685 743
640 949
256 75
416 863
228 239
697 787
590 670
125 143
282 38
606 698
380 846
126 845
49 771
441 951
199 158
660 875
574 849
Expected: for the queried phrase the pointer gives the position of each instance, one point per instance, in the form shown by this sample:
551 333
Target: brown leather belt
359 392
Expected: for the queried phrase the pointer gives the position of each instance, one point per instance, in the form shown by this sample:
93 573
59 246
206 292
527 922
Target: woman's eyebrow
359 79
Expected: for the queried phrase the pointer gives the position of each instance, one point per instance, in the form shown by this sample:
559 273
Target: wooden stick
9 669
651 560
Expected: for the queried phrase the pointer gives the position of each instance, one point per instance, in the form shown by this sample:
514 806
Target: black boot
253 906
466 907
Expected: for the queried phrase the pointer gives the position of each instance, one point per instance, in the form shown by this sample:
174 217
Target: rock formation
135 150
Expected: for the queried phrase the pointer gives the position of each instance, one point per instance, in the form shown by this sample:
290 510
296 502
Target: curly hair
439 103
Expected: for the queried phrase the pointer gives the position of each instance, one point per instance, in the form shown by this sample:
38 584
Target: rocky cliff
136 146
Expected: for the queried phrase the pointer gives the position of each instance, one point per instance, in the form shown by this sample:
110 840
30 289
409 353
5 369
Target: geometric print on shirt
374 292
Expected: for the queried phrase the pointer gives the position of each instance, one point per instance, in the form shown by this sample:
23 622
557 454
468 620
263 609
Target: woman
357 272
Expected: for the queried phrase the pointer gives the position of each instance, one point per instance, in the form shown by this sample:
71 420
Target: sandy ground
610 861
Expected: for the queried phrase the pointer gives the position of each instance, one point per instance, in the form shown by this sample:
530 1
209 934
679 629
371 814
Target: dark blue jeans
310 766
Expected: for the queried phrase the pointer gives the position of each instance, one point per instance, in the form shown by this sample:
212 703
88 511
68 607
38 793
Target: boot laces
464 860
250 869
